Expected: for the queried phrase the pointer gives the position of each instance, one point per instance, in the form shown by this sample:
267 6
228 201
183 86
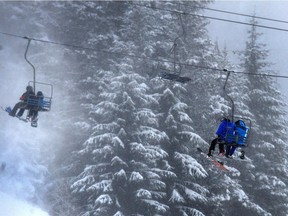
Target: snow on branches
151 135
149 152
190 166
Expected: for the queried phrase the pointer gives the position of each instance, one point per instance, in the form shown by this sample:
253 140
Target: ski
8 110
217 163
236 157
22 119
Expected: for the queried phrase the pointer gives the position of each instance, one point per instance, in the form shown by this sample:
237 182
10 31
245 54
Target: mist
233 36
21 145
11 206
37 159
25 150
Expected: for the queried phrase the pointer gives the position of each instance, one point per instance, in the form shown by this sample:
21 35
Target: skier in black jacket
22 104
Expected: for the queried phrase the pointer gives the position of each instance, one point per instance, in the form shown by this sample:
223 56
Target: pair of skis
216 162
33 122
216 159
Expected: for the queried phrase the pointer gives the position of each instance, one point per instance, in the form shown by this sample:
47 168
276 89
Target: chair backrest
241 135
230 133
39 104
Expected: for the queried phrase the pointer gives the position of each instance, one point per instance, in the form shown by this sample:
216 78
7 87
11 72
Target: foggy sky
15 74
234 36
21 145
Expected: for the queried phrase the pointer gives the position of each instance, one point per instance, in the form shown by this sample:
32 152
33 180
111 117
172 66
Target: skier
240 137
225 131
22 105
33 112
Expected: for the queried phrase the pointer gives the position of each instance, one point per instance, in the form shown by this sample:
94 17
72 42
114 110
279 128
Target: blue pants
230 150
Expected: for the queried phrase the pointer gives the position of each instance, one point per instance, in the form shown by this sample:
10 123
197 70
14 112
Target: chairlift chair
34 103
239 140
43 104
173 75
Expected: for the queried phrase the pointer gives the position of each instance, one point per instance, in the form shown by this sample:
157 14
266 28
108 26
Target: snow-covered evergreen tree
125 142
269 132
129 139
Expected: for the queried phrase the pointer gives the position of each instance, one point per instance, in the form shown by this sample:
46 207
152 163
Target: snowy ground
11 206
23 174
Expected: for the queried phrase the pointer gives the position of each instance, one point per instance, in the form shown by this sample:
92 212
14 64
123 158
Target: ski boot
210 153
8 109
34 122
222 154
242 156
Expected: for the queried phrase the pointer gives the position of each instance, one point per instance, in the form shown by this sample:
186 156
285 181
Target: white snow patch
176 197
104 199
10 206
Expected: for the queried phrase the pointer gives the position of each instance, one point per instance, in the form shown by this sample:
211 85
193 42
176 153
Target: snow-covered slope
11 206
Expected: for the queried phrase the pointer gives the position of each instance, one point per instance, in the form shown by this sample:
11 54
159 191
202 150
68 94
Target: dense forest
119 140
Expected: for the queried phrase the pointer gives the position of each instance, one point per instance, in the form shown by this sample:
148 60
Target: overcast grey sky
234 35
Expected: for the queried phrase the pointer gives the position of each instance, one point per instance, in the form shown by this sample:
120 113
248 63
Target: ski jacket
40 98
225 131
25 96
241 132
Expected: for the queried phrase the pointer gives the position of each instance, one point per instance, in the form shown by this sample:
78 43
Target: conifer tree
131 178
268 139
136 152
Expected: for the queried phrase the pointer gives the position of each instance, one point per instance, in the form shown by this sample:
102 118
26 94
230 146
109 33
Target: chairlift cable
148 58
211 17
234 13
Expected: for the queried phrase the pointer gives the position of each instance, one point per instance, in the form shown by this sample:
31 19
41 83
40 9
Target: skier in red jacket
22 104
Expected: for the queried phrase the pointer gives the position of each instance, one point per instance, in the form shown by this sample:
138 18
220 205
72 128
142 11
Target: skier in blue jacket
225 133
240 139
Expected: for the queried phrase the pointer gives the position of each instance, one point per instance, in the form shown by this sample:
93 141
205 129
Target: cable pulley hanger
25 55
